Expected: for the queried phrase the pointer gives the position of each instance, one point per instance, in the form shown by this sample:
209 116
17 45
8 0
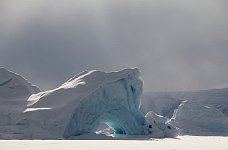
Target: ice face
115 103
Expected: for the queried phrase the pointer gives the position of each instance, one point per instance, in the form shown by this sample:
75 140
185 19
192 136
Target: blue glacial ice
115 104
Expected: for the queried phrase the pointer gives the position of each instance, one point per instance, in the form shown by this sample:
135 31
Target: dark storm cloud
178 45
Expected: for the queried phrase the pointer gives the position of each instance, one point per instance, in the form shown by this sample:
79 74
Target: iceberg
91 105
164 103
196 119
85 101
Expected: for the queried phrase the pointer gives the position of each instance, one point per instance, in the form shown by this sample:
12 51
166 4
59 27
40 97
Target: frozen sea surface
180 143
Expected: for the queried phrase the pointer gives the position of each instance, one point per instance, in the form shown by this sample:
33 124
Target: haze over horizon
177 45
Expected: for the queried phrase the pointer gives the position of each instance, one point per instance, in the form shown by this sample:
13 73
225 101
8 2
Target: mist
177 45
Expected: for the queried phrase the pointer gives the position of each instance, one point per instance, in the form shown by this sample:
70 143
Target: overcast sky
177 44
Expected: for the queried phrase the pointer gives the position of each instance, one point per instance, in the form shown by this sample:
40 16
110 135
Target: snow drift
196 119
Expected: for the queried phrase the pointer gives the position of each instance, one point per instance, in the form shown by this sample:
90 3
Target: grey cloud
178 46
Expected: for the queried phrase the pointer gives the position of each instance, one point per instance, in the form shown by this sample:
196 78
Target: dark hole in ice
132 89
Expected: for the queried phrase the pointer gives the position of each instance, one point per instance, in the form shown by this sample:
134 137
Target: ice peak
13 85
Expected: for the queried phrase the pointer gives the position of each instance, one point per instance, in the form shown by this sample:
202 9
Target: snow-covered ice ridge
14 92
81 104
14 85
